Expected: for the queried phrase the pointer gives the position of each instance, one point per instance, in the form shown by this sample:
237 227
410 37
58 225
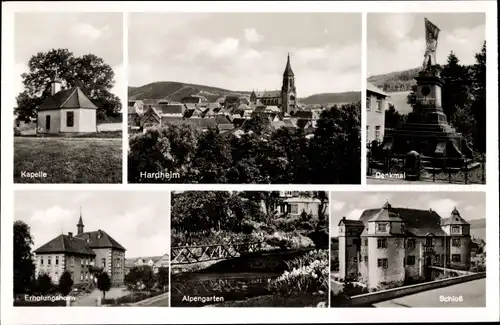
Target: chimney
70 234
56 87
99 234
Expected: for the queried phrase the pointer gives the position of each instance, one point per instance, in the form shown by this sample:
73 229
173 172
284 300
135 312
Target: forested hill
175 91
395 81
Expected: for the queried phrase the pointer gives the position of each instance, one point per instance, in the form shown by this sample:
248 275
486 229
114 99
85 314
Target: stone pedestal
431 135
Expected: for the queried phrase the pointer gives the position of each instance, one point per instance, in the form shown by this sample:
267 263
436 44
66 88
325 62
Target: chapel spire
80 223
288 68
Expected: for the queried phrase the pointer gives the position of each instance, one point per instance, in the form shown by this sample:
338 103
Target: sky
81 33
471 205
396 41
246 51
138 220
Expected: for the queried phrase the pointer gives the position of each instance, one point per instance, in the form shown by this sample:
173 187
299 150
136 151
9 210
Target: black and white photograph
68 77
426 98
408 249
91 249
259 98
249 249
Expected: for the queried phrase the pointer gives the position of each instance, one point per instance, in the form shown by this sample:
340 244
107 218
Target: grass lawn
68 160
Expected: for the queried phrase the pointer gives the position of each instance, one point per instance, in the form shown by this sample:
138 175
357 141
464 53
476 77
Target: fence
195 254
431 169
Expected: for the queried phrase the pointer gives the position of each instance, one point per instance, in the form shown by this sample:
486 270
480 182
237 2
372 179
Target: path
472 292
90 299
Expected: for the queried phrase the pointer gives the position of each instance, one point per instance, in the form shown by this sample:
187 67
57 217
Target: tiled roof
350 222
222 119
374 89
100 239
66 244
386 214
454 219
176 108
69 98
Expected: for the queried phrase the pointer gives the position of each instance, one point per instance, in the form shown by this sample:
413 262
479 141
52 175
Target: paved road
472 292
165 302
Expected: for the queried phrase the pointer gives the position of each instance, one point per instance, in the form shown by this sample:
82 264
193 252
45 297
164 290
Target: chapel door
47 122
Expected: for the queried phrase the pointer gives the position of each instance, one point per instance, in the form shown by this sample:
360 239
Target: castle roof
417 222
386 214
69 98
454 219
349 222
66 244
99 239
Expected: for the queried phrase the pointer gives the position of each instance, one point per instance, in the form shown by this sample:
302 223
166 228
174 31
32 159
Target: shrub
310 278
65 283
306 259
44 284
103 283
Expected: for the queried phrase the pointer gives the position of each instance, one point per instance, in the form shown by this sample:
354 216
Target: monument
429 133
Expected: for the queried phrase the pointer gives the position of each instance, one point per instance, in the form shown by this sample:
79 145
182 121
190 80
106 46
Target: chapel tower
80 225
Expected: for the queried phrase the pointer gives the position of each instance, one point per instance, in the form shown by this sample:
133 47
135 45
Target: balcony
428 249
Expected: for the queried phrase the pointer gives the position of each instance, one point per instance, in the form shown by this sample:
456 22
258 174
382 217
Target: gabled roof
349 222
374 89
386 214
454 219
175 108
100 239
66 244
69 98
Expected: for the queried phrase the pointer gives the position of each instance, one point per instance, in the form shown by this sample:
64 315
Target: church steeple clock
288 92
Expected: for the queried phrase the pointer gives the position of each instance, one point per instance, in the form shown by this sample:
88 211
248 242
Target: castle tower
457 241
385 252
349 248
80 225
288 92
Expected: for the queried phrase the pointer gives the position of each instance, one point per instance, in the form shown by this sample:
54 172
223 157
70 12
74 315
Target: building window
294 208
410 260
377 133
57 260
382 262
455 258
365 241
41 260
429 242
72 261
366 258
437 259
379 104
103 262
70 119
455 242
81 276
455 229
368 103
382 227
382 243
411 243
49 260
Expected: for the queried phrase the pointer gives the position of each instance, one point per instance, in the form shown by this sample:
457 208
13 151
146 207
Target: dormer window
382 227
455 229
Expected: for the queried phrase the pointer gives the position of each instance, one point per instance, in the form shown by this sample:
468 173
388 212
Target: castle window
49 260
455 229
382 243
41 260
410 260
368 103
411 243
455 258
382 227
81 276
455 242
382 262
103 262
366 241
437 259
57 260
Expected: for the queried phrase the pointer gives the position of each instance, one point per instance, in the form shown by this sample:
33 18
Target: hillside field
68 160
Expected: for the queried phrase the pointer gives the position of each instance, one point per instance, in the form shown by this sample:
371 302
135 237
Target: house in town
389 245
163 261
66 111
85 255
376 105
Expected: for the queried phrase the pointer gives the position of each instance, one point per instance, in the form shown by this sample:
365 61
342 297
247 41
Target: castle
286 98
84 255
391 245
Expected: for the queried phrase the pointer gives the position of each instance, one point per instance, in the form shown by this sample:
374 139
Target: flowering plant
310 278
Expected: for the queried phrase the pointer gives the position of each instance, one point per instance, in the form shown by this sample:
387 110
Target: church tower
288 92
80 225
